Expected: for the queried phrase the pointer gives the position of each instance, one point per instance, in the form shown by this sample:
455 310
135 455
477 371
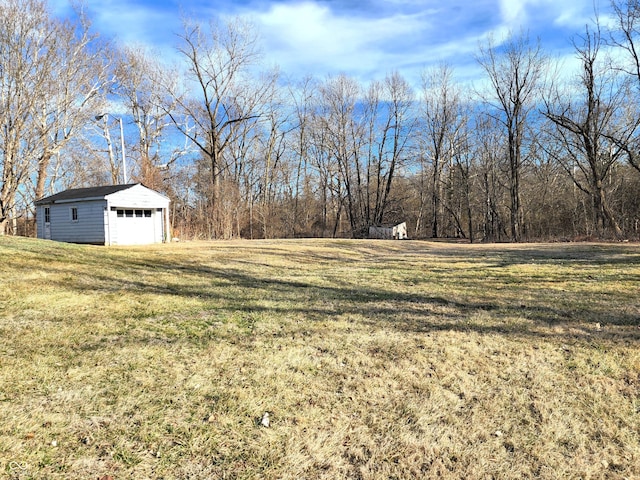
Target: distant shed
389 232
129 214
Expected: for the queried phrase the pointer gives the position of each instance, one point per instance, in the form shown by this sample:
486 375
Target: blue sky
363 38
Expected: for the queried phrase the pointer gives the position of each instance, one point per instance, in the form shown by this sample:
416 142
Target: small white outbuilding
389 232
130 214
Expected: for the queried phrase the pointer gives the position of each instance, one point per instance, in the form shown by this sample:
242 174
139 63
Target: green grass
374 359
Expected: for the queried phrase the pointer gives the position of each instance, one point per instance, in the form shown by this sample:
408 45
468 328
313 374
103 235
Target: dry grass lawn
374 360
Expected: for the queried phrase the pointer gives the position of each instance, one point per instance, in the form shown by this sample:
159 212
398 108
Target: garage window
74 214
121 212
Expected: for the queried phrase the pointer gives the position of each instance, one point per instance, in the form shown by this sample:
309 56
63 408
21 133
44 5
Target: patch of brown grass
373 359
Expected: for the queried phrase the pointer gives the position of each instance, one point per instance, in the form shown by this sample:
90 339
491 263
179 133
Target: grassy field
373 359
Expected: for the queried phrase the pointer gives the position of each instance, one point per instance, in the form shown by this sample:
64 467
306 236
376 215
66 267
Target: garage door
135 227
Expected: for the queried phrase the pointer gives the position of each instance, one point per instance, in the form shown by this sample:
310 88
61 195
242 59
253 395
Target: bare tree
345 134
303 96
441 122
391 142
490 147
23 41
463 174
585 125
277 126
78 79
330 189
112 149
625 35
223 94
49 81
143 82
515 71
365 134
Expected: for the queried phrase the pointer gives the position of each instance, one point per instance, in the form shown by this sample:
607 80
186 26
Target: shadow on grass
518 253
226 291
283 291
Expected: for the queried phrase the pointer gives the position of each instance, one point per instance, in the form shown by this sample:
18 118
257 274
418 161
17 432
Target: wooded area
242 151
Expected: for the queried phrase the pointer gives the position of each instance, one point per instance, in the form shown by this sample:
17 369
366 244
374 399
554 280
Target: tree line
534 154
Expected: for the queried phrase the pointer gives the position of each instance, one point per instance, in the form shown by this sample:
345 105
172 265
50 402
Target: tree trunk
41 181
515 201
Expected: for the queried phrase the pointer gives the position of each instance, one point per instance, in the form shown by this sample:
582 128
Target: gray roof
84 193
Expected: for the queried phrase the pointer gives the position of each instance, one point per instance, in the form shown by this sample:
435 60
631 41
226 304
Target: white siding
144 226
400 231
88 229
98 221
111 228
40 220
137 231
138 196
159 225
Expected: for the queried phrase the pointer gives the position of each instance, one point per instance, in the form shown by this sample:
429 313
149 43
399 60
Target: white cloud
309 37
312 35
570 14
366 40
513 11
128 23
572 17
135 24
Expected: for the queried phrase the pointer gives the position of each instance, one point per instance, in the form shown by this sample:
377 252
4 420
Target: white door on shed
135 226
47 223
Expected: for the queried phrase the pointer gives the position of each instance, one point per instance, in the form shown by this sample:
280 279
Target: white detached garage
129 214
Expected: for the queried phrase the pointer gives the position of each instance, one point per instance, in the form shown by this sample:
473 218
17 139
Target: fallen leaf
265 422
